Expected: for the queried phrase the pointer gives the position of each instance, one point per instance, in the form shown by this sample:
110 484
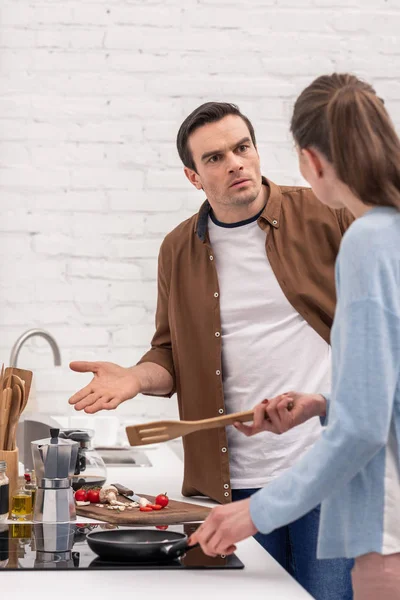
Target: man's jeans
295 548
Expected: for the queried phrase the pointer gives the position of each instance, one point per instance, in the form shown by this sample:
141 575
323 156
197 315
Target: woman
350 154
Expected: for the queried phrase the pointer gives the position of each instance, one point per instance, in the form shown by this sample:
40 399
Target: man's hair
210 112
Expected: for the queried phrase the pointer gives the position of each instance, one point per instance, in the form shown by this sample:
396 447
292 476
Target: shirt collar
271 212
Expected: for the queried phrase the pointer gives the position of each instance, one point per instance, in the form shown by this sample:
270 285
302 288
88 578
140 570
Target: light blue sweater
353 468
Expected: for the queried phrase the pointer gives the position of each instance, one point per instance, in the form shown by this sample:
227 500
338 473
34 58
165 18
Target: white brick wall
92 95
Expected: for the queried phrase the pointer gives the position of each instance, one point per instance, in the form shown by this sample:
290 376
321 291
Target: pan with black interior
138 545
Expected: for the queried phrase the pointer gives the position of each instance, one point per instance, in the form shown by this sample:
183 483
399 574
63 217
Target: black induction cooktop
25 547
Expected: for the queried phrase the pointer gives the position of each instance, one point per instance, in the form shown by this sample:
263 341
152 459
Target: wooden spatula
5 405
17 381
15 411
162 431
26 377
7 377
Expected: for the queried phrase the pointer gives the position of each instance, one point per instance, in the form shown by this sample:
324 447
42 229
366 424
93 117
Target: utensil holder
11 458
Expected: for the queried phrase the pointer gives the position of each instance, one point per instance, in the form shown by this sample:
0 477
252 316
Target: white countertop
262 576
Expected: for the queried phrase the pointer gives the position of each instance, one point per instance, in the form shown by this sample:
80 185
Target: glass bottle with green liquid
21 505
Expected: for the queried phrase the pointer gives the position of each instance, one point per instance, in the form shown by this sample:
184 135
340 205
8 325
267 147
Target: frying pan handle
178 548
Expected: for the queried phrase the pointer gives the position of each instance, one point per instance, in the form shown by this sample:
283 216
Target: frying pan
138 545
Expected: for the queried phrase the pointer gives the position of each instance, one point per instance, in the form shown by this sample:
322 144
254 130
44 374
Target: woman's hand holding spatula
162 431
284 412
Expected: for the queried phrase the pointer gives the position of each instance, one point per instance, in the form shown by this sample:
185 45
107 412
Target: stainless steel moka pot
54 461
53 543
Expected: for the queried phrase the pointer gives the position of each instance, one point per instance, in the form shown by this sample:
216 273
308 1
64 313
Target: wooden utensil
15 411
4 415
26 377
162 431
15 380
8 373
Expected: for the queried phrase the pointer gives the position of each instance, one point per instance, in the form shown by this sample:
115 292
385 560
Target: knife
126 492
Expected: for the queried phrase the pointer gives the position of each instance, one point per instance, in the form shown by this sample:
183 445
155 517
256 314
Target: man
245 305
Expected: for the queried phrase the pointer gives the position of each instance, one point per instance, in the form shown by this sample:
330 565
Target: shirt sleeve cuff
162 357
258 513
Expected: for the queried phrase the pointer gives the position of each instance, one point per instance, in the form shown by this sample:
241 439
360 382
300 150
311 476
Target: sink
123 457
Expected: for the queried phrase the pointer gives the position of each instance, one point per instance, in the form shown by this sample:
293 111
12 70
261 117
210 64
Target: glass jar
4 492
30 486
90 470
21 505
4 550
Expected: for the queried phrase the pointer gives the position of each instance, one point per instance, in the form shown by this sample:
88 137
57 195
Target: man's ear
193 178
313 161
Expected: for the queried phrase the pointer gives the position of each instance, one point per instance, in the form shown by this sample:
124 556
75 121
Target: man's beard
241 199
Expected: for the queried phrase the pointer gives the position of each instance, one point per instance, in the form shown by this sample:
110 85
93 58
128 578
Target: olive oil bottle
30 486
21 505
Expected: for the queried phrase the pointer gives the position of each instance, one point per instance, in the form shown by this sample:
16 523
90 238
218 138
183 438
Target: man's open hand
110 386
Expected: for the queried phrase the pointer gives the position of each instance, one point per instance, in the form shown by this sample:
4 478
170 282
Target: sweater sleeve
324 420
365 371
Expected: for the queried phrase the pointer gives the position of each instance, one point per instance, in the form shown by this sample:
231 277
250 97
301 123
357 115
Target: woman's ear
312 161
193 178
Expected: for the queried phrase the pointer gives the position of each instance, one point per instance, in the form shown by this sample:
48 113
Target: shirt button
224 449
226 486
216 295
211 257
218 372
217 334
274 222
221 411
226 494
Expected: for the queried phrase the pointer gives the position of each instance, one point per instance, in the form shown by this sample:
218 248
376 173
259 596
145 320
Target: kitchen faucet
33 333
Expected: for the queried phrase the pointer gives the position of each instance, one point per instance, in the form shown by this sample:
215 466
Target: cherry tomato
81 495
162 527
155 506
145 508
162 500
93 496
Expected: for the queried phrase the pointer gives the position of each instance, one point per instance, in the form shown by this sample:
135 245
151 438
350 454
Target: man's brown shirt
302 241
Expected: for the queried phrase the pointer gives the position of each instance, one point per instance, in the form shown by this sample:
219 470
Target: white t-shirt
267 349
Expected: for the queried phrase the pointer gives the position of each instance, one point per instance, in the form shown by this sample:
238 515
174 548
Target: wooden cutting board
175 512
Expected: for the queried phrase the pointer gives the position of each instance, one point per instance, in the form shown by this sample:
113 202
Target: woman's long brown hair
342 117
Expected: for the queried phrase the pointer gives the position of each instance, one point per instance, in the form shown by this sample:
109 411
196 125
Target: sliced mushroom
144 502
